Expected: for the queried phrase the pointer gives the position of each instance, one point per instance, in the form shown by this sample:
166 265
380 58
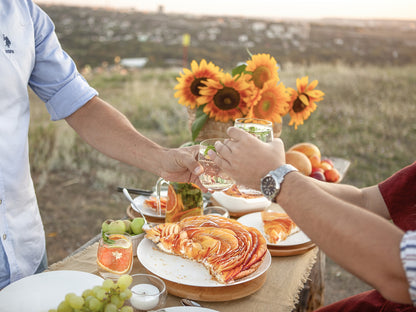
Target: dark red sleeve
399 193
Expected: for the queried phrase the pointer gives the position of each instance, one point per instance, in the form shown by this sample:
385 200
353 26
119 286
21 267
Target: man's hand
247 159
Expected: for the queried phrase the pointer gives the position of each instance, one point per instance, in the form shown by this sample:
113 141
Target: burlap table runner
285 279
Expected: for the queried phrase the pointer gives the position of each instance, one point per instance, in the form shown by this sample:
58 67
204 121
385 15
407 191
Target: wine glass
148 292
213 178
260 128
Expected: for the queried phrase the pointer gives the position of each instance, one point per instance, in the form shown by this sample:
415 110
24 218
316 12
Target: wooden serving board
215 294
131 213
284 251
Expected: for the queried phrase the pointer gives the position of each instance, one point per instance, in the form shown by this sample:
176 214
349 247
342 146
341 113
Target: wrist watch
271 183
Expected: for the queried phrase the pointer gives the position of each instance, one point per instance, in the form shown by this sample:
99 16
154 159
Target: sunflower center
196 84
227 98
298 105
260 75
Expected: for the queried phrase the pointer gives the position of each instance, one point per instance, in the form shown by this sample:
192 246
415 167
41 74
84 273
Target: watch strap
278 176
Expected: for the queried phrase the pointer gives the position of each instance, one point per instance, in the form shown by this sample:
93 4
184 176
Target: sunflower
302 102
190 81
227 98
273 103
263 68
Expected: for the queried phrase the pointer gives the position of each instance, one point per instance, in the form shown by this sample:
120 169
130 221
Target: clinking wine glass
213 178
260 128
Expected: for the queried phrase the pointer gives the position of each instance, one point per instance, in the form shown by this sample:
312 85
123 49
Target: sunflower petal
304 99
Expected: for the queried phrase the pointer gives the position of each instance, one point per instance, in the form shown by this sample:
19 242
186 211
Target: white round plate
254 220
187 309
44 291
240 204
184 271
147 211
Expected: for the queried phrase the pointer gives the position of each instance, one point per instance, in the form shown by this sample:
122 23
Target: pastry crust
228 249
277 226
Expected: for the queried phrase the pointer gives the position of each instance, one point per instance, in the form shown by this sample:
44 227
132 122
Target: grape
99 292
115 299
124 281
109 297
95 304
64 307
76 302
108 284
86 293
125 294
110 308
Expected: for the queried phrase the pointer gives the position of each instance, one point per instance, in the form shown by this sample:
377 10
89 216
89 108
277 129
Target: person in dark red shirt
351 225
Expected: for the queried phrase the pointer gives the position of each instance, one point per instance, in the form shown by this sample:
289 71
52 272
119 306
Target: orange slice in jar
116 258
172 200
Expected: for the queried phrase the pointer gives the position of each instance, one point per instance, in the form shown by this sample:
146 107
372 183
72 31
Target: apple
137 225
116 227
105 225
127 223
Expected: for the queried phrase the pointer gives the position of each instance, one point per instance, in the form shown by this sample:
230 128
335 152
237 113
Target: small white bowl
239 204
216 211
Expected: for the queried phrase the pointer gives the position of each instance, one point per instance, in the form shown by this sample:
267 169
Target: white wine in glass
213 178
260 128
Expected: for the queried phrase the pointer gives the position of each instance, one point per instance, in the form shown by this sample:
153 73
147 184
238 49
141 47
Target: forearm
362 242
110 132
368 198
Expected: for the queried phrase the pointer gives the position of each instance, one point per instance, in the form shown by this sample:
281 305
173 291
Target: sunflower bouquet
251 90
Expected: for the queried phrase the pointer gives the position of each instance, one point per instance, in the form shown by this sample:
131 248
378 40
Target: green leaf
238 70
200 120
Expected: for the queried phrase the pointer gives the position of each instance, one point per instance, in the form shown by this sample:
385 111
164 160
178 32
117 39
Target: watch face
268 186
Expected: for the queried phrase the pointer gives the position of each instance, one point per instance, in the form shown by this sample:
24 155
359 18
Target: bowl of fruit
307 158
132 227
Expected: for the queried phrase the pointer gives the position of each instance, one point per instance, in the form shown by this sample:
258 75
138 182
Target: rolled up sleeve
54 77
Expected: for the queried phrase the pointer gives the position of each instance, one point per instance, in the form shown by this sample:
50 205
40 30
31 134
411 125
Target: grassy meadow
367 116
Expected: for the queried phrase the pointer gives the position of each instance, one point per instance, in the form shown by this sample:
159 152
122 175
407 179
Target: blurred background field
367 117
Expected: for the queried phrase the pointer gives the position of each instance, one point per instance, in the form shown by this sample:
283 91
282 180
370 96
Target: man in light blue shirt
30 54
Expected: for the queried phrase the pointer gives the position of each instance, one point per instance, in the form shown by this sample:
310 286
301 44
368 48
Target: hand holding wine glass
213 178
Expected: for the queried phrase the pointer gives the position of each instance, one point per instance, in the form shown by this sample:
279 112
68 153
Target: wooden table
284 287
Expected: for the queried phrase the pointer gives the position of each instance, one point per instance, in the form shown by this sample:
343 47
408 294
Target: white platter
183 271
240 204
147 211
254 220
44 291
187 309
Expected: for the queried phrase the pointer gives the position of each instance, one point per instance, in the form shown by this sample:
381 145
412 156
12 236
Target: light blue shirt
30 54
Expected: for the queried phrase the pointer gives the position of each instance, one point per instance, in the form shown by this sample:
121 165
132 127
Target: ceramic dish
239 204
254 220
147 211
184 271
44 291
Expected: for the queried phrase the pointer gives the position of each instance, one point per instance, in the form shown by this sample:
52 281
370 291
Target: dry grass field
367 116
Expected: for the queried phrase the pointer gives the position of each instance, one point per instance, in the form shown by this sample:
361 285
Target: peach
332 175
309 149
300 161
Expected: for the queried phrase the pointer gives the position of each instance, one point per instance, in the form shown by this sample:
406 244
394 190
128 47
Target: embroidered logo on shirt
7 44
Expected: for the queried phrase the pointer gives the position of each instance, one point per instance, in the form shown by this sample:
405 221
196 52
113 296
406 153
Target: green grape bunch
109 297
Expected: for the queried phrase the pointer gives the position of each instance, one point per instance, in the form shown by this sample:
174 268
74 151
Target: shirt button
4 236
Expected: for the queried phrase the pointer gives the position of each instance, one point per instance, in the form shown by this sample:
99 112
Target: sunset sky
380 9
